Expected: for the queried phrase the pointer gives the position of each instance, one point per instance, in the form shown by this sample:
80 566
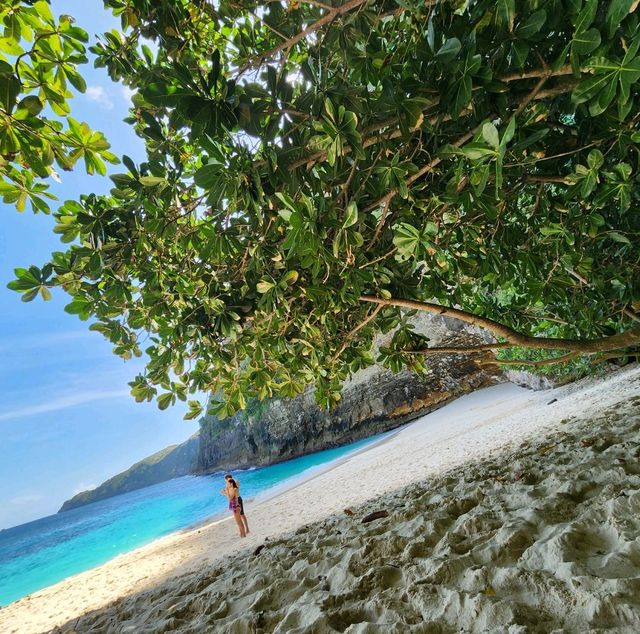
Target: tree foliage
317 170
39 59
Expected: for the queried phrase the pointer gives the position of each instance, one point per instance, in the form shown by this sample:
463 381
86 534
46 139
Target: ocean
41 553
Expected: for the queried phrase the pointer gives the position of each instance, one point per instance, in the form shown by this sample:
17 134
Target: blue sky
67 421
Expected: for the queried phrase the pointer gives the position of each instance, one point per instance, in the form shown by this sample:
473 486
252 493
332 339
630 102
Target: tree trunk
513 337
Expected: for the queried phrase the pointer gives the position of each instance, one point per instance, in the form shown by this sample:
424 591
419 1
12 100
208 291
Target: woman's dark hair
233 482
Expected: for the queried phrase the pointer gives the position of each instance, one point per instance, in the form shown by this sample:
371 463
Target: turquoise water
41 553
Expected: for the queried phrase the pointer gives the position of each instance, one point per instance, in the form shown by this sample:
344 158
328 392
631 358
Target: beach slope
507 510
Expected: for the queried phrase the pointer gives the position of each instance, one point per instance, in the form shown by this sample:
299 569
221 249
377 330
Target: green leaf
31 104
461 94
9 89
449 50
585 17
77 307
490 135
617 11
195 410
532 25
586 41
431 35
77 81
520 53
152 181
208 175
30 295
290 278
618 237
264 286
406 239
164 400
587 89
506 13
351 215
475 151
508 133
330 110
430 228
214 73
605 98
10 46
595 160
288 201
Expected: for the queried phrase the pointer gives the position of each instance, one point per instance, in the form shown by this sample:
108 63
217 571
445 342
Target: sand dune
517 515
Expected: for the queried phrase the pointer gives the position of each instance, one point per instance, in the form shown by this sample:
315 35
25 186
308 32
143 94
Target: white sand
516 516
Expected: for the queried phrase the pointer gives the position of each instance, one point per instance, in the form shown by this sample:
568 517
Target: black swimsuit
241 505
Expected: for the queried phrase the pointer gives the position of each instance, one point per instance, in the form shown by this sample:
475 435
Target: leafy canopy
306 158
39 59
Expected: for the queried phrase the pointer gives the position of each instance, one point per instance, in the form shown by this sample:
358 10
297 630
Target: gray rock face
529 380
374 400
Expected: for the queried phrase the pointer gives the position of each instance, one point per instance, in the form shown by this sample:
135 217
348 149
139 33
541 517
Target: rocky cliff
174 461
374 400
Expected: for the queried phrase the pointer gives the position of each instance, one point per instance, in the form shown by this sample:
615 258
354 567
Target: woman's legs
243 516
238 518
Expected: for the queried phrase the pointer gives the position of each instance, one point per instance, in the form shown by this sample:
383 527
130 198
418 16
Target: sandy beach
505 511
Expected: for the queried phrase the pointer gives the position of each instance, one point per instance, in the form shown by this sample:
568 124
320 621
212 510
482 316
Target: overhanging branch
515 338
462 349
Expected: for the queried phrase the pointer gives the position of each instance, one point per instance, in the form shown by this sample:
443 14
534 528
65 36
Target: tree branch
352 334
534 91
536 95
614 355
631 315
385 201
604 344
331 15
537 72
462 349
546 178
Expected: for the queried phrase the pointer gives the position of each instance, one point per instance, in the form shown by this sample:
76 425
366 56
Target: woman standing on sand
233 493
240 502
229 478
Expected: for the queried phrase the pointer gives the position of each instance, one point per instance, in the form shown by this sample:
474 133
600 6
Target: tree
39 59
316 172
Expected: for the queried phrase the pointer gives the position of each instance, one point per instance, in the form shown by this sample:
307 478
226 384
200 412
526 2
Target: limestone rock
373 400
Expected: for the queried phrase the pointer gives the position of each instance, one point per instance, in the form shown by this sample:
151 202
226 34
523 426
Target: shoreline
484 425
282 489
224 516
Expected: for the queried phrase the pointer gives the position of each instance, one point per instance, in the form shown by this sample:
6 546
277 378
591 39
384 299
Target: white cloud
62 402
100 96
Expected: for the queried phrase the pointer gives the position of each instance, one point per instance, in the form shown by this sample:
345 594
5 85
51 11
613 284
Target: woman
228 478
233 493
